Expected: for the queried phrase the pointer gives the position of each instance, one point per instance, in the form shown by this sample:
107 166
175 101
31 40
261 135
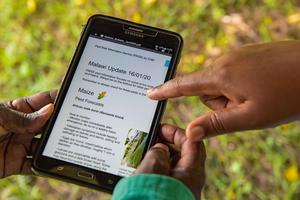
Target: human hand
181 159
254 87
20 121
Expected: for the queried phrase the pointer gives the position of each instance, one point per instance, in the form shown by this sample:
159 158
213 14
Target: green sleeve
151 186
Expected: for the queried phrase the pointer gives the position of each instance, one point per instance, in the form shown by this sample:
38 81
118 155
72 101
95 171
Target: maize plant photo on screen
134 147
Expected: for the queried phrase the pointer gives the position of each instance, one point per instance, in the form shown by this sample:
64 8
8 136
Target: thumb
19 122
156 160
218 122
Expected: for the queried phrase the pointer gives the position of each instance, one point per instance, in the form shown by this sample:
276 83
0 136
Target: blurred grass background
37 41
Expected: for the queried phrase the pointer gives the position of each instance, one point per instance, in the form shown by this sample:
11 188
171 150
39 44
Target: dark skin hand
178 157
23 118
20 121
253 87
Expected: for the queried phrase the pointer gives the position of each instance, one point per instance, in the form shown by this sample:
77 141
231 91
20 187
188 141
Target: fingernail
149 91
46 109
161 146
196 133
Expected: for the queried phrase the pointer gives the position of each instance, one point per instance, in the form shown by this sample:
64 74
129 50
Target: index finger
186 85
34 102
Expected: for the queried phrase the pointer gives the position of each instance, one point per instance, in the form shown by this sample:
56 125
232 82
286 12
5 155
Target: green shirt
151 187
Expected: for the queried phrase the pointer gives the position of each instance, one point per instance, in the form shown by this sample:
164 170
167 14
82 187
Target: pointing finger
187 85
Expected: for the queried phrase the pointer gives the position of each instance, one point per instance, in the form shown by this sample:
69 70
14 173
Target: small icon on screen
167 63
101 95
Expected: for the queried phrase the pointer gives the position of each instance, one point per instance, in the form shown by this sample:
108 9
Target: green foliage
19 188
38 38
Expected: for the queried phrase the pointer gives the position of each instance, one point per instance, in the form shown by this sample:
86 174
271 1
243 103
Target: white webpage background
138 111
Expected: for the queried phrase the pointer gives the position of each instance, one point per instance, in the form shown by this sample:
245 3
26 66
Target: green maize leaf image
135 144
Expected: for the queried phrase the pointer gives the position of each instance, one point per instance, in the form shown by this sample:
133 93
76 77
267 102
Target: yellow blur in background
38 39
